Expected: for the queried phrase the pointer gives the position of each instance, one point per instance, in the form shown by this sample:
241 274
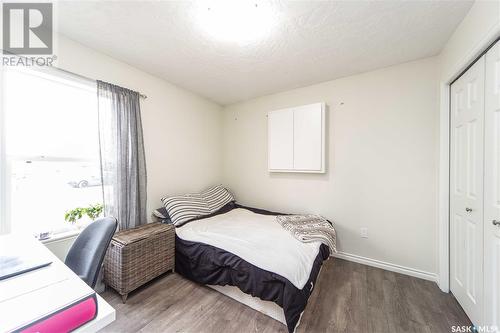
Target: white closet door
492 188
280 132
466 192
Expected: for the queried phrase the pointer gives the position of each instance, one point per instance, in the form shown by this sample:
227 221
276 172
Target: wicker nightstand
138 255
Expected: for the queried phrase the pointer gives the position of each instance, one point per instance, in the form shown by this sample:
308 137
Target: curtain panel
123 163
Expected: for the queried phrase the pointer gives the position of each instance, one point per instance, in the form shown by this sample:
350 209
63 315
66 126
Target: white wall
60 247
182 131
381 161
481 21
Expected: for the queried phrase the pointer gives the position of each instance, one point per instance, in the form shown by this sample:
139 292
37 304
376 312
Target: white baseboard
387 266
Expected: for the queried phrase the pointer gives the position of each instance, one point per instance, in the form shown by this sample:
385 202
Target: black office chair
87 252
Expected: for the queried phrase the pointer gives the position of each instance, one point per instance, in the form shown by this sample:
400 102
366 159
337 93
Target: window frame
4 221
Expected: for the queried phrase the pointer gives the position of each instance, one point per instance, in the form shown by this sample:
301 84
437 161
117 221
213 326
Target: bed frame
268 308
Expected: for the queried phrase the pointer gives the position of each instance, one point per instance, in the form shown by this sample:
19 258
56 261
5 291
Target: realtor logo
27 28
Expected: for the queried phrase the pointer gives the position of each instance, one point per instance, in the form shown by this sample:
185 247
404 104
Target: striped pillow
217 196
184 208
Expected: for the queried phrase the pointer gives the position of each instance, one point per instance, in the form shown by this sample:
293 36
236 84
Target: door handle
468 210
495 222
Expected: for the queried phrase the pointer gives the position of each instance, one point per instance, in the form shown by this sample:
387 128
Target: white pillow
183 208
217 196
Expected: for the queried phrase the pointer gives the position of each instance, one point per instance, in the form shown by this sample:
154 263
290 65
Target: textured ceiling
310 42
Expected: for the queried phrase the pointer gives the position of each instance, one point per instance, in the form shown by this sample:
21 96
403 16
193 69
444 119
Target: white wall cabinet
296 139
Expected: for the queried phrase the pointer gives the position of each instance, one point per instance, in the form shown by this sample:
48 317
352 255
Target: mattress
246 248
257 239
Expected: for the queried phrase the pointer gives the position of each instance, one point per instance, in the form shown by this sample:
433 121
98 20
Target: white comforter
257 239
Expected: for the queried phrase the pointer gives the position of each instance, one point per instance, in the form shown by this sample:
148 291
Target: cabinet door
280 132
308 138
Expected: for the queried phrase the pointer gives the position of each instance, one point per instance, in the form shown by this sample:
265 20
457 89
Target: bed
243 253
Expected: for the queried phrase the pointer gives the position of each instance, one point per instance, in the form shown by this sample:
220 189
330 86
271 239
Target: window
52 149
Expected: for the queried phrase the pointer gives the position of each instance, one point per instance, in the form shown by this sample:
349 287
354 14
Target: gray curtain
123 164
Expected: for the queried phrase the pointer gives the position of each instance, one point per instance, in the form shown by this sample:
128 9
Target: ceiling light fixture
237 21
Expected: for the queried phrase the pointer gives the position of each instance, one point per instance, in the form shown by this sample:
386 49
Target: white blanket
257 239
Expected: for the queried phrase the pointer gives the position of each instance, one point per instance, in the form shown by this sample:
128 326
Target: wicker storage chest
138 255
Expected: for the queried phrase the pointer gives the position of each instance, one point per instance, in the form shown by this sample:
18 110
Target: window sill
61 236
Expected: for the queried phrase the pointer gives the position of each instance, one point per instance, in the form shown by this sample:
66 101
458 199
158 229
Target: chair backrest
87 252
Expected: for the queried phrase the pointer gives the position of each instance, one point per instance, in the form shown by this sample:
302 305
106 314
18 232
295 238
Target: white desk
25 297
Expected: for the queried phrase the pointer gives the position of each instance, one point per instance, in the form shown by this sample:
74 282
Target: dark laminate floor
348 297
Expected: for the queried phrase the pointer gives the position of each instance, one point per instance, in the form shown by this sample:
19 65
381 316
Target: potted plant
76 214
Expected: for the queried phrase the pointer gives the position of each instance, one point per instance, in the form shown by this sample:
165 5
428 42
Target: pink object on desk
49 299
67 319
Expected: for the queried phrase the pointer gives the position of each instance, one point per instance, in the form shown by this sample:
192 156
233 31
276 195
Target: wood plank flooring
348 297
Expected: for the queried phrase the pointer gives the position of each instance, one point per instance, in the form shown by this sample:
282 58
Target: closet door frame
474 53
492 187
